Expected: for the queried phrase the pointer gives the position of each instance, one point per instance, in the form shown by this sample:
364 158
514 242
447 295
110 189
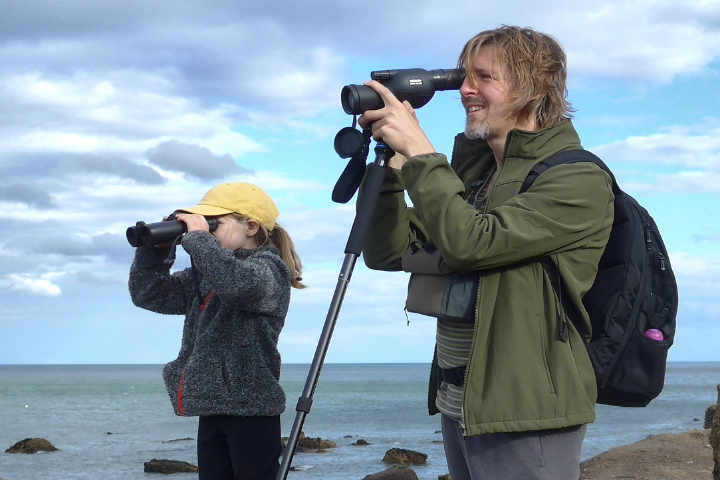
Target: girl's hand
193 221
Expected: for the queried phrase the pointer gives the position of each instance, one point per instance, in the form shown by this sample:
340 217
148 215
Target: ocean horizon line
139 364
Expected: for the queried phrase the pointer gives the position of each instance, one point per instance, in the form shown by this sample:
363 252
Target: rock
32 445
310 445
169 466
445 477
666 456
314 444
360 442
178 440
393 473
404 457
709 414
715 438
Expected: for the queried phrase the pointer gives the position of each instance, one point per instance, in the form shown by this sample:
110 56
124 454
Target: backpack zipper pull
661 262
648 238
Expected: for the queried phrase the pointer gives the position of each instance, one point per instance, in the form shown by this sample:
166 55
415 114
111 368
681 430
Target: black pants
238 448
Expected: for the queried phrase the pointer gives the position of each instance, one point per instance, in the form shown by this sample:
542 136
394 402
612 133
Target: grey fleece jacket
234 307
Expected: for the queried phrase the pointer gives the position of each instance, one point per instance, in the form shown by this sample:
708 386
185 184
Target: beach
678 456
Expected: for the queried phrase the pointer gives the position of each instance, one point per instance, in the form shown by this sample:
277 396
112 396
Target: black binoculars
161 232
416 85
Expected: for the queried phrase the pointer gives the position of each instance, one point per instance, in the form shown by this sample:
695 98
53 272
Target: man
515 385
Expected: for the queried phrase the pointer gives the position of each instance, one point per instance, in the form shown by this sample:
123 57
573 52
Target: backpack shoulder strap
561 158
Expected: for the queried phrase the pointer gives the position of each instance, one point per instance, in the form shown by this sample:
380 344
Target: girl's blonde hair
536 67
280 239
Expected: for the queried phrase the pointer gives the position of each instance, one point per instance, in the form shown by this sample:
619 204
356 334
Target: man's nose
467 89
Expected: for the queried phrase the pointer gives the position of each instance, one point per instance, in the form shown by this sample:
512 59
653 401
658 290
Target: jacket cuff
193 241
418 165
392 182
147 257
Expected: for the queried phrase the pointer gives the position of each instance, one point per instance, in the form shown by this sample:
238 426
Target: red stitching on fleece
207 299
180 394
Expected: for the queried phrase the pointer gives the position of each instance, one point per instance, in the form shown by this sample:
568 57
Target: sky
114 112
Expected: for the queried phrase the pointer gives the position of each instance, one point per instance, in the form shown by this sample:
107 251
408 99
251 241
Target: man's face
485 96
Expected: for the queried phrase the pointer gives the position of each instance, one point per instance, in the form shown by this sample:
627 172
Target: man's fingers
410 109
387 96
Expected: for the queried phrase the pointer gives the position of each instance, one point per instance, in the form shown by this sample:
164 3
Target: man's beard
476 131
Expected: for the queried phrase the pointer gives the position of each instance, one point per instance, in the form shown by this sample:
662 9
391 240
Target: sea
107 420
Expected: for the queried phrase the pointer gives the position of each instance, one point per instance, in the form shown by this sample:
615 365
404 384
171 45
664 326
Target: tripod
353 248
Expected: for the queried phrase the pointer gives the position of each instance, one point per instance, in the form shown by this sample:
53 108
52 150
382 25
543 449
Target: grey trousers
539 455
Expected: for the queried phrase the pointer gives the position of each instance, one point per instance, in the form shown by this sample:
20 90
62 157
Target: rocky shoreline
692 455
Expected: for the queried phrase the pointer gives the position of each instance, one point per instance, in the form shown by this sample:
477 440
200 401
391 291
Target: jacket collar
519 144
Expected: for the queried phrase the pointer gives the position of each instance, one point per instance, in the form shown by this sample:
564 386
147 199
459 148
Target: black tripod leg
375 175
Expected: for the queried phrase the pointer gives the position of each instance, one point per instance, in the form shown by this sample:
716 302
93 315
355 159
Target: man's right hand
396 124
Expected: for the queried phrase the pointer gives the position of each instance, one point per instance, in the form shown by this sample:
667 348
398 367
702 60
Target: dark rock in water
315 443
310 445
445 477
169 466
360 442
32 445
394 473
178 440
404 457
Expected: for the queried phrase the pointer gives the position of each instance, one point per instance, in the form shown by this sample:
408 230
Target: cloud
64 168
692 266
193 160
42 285
685 158
27 194
290 61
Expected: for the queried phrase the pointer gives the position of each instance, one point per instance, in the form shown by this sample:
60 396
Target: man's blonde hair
536 70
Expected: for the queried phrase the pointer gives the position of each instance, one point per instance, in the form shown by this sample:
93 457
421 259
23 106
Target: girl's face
232 233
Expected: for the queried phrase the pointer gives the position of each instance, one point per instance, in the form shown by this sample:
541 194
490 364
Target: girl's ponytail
282 241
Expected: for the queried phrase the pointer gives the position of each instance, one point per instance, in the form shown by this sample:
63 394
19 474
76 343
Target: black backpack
634 291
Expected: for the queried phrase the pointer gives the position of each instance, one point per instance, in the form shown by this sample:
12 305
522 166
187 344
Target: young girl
234 298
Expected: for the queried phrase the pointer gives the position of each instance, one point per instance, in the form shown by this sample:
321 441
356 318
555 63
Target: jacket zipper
496 175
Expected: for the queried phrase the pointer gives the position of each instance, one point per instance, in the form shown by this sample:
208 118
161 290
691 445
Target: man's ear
253 227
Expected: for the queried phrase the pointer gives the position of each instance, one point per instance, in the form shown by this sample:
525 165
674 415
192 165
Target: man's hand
396 124
193 221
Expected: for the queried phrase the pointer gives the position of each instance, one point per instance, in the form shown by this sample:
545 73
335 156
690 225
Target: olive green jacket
529 368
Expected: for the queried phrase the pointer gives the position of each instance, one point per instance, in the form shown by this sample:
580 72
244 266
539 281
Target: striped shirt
454 338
